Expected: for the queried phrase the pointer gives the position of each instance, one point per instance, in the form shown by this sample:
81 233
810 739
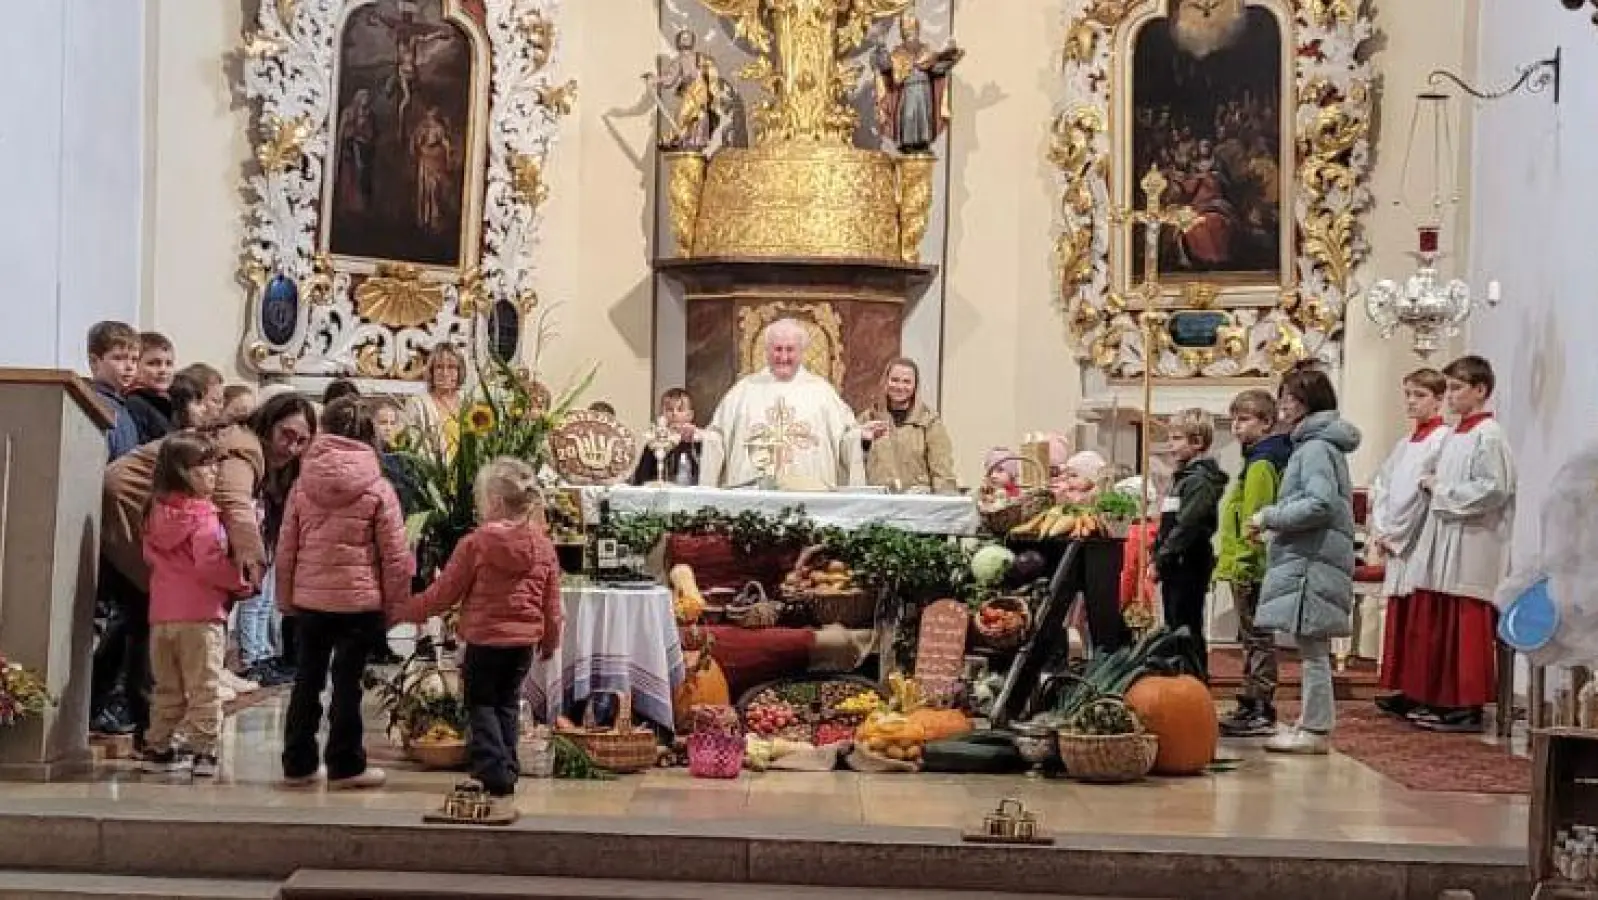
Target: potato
837 567
894 752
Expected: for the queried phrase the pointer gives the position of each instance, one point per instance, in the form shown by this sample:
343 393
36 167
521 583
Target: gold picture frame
1324 113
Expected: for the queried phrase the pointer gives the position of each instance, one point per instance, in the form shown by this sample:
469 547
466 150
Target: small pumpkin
940 724
1178 709
704 685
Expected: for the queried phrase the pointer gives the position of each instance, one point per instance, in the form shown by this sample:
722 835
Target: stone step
327 884
86 886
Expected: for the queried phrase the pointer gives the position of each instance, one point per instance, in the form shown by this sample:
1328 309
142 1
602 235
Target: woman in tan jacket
907 447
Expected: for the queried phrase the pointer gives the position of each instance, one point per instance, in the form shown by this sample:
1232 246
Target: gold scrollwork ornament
685 179
527 179
282 145
824 352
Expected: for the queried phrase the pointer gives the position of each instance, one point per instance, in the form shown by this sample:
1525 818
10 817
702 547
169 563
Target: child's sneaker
1296 740
205 765
158 762
1249 720
368 780
301 782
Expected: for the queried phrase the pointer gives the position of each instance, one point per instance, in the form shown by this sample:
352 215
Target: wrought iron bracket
1534 79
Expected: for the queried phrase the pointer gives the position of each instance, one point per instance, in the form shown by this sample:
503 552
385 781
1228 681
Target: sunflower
480 419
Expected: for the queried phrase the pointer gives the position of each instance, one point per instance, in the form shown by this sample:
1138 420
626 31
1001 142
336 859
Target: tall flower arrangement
511 415
23 695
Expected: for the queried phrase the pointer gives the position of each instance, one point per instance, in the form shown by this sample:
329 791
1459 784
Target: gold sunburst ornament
397 297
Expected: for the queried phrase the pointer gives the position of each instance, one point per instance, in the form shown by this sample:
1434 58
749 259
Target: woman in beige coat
907 447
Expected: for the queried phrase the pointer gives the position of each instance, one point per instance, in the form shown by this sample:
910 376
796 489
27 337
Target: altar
846 509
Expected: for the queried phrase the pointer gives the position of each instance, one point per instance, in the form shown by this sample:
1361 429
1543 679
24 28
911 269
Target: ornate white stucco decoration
288 72
1329 191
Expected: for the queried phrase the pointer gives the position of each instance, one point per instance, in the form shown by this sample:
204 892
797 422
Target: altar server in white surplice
783 420
1398 503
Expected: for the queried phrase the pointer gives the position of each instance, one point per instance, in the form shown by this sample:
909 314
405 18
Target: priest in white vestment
783 422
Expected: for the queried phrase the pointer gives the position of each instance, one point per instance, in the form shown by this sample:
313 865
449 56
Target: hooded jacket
915 453
191 576
505 576
342 544
1309 576
1242 561
126 491
1190 517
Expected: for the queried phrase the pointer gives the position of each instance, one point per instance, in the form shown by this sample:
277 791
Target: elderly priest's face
785 350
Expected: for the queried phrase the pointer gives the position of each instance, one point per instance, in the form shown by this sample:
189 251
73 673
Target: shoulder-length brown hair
181 453
438 353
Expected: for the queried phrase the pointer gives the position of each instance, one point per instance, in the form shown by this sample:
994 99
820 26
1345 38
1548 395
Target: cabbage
990 563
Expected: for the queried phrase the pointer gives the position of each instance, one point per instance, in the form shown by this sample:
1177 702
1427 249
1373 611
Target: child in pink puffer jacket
343 567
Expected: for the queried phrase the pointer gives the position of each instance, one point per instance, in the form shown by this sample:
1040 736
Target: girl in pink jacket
343 569
505 577
191 583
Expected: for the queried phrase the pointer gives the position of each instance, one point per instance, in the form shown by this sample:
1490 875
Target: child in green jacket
1242 558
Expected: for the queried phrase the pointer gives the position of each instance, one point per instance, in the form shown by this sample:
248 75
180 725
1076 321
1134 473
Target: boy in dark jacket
148 401
1184 557
113 363
1242 560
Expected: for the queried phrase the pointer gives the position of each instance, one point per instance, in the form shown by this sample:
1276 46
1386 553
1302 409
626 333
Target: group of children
343 575
1442 507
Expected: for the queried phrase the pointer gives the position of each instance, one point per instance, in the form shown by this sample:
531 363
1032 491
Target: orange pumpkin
705 684
1179 711
941 723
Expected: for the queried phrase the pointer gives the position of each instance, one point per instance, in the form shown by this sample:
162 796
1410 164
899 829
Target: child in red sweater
505 576
192 580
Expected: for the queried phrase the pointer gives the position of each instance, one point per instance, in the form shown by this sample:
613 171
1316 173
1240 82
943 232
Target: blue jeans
255 624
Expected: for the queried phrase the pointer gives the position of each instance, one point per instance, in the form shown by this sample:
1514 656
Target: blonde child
191 582
342 563
505 577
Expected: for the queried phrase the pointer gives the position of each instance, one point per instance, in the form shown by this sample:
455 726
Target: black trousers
1183 589
332 645
492 680
121 664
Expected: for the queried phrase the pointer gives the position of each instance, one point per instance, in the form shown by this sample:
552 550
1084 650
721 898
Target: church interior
837 448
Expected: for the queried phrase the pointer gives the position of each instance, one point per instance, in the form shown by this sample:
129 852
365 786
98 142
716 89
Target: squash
704 685
687 603
940 724
1181 713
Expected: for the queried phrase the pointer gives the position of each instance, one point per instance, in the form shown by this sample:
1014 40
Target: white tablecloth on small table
615 640
924 513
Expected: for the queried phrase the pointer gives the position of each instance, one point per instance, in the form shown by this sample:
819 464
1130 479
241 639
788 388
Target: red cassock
1440 650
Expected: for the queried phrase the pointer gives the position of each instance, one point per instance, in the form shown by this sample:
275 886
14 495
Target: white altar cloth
924 513
615 639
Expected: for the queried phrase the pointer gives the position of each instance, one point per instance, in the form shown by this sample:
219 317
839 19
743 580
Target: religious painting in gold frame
406 170
396 185
1258 113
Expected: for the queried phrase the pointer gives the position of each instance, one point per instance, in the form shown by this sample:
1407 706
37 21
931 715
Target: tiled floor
1332 798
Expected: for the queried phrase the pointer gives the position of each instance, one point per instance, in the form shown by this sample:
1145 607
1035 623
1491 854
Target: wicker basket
715 755
753 609
622 749
439 754
851 608
1108 758
1002 514
1007 639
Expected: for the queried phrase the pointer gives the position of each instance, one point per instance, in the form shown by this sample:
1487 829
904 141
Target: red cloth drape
1441 650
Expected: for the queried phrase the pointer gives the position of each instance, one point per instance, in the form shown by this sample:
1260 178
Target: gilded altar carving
396 296
473 96
684 182
824 354
1286 310
803 189
915 202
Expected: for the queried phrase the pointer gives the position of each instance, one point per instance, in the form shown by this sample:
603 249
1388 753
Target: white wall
1532 193
71 170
